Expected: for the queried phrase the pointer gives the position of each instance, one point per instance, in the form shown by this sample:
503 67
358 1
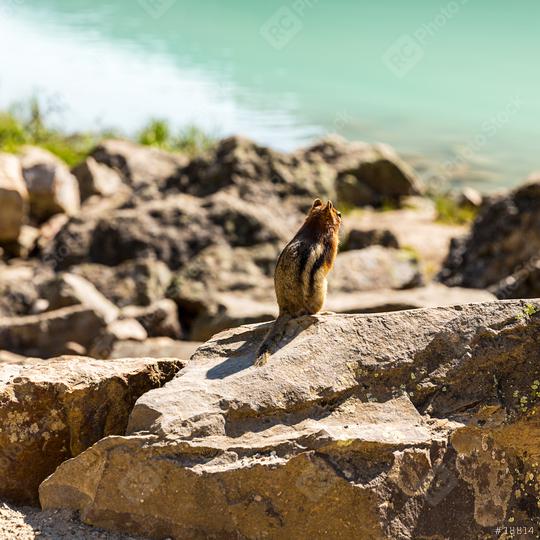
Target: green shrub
450 212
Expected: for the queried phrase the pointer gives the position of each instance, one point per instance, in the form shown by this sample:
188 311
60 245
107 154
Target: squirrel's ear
316 202
329 205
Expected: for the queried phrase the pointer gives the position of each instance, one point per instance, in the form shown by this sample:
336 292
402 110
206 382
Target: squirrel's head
325 215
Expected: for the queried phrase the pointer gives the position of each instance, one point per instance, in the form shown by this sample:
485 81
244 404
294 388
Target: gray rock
20 284
360 239
523 283
256 173
366 174
374 268
503 240
137 282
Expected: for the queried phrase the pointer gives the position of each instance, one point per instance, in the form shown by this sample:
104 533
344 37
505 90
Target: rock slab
359 426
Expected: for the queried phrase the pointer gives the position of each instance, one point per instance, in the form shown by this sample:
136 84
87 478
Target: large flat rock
52 410
415 424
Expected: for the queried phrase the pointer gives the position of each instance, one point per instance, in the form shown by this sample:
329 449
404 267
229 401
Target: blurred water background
443 81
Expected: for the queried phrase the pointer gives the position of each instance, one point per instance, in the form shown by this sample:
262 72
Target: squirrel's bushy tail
274 335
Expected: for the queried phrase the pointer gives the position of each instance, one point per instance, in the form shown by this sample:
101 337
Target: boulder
48 334
367 174
52 411
160 347
96 179
52 188
244 223
141 167
136 282
415 227
13 198
374 268
503 239
359 426
158 319
172 230
360 239
257 173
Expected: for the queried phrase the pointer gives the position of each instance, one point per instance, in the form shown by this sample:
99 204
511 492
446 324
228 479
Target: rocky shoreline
113 273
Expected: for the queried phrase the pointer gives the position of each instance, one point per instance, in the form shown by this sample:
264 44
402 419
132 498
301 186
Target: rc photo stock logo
408 50
156 8
403 55
285 24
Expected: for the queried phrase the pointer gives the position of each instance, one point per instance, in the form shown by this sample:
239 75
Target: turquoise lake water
454 81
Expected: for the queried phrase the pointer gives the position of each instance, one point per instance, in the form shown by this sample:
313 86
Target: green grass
28 124
527 312
451 213
191 140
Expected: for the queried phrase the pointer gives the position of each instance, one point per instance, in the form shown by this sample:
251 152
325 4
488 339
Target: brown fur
301 270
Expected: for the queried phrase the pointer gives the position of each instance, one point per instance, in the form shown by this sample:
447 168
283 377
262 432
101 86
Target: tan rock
96 179
359 426
13 198
52 188
51 411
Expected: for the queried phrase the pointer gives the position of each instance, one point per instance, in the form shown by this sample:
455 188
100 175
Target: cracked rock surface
53 410
410 425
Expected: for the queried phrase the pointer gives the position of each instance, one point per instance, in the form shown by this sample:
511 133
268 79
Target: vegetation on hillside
30 124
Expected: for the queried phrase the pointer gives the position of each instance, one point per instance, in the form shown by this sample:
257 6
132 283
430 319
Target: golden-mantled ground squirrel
301 270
